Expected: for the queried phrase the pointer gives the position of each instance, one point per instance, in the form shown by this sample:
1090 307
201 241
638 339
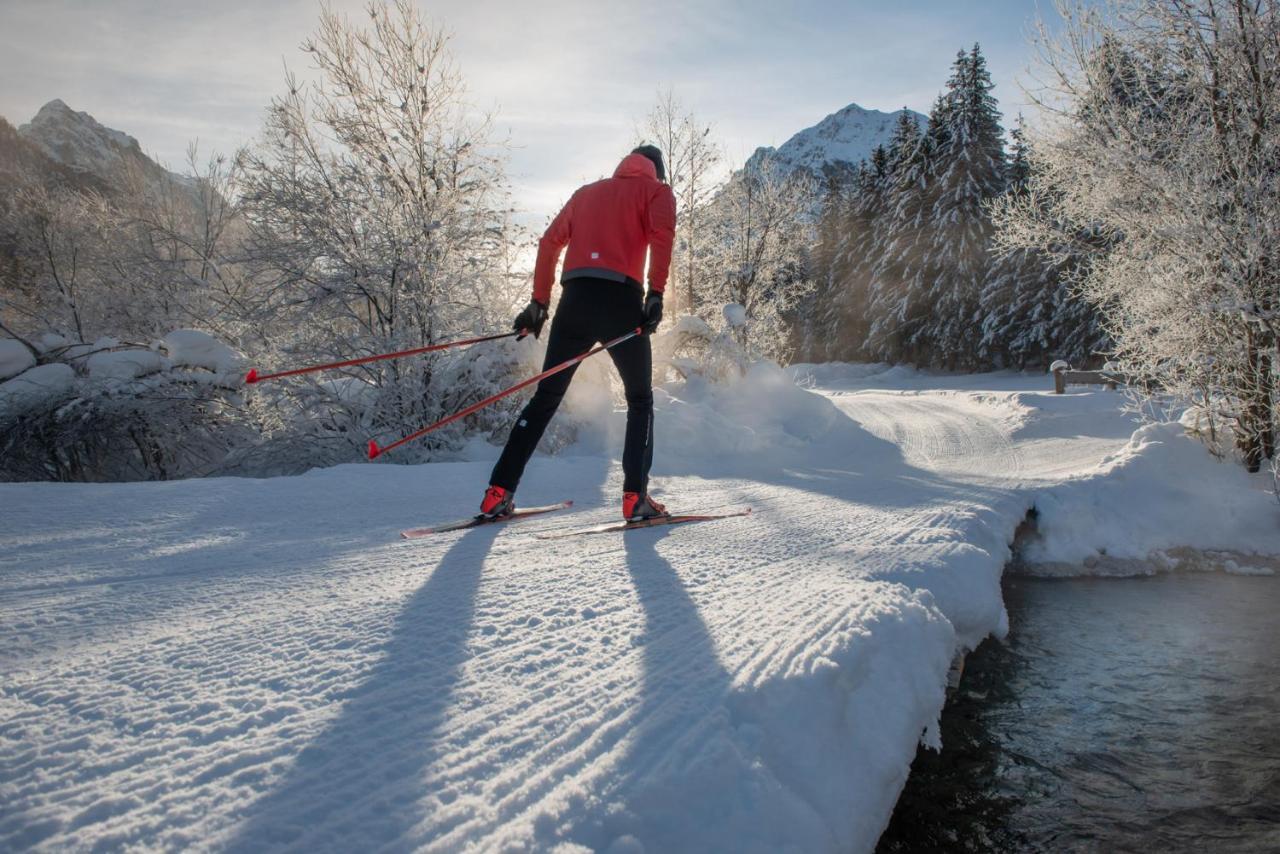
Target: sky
567 80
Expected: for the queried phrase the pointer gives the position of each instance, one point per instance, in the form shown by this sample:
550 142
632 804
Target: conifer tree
816 328
1031 315
966 171
892 258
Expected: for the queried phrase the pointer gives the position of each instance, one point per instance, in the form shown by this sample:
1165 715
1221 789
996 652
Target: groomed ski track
238 664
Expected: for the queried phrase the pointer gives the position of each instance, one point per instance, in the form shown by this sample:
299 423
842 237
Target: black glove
532 318
652 312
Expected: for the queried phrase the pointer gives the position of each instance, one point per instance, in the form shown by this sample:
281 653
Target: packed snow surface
239 664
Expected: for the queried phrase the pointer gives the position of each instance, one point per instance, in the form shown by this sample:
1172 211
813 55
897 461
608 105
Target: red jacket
608 226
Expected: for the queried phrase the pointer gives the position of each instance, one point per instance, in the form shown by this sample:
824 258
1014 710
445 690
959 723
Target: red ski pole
254 377
375 451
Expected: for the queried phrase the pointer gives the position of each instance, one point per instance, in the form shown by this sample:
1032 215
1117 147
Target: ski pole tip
251 377
374 450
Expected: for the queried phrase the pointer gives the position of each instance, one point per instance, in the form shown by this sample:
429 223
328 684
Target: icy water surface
1120 715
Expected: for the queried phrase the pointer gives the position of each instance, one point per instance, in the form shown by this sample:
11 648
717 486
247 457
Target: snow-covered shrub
324 419
120 413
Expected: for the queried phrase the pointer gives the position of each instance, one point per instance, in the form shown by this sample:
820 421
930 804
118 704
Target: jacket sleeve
549 248
662 234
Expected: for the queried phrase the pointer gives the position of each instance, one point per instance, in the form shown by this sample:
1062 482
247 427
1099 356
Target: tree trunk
1257 438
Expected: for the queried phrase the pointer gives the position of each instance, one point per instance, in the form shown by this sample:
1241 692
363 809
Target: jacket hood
636 166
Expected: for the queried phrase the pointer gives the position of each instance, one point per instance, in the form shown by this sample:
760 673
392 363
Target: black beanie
655 156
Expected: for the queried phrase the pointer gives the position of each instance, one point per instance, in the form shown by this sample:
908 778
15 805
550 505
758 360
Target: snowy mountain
24 163
78 141
838 141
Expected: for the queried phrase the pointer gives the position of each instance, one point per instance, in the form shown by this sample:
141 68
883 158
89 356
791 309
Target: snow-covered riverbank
228 663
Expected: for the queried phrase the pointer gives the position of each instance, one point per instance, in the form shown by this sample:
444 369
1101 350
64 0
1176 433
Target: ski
479 519
675 519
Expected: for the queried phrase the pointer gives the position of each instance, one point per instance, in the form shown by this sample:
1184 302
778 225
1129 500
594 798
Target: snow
735 316
196 349
14 358
52 341
1161 493
690 325
125 364
37 387
235 663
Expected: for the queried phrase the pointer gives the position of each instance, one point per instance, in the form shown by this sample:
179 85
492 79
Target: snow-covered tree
1031 312
377 209
1160 136
844 271
966 171
136 259
818 327
53 286
692 157
760 231
893 260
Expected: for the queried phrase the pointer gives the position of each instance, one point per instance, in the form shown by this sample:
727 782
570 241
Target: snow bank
195 349
39 386
125 364
14 358
1162 493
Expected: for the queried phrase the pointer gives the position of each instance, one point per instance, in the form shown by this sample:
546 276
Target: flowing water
1137 714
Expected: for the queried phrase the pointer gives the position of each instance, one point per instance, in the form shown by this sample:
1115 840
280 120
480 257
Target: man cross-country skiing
608 226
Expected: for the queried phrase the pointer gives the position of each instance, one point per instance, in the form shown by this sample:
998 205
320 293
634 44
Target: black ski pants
591 311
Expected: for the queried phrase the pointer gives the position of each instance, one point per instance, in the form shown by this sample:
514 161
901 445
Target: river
1120 714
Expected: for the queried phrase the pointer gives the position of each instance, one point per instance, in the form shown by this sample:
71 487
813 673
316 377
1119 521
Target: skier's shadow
358 785
683 692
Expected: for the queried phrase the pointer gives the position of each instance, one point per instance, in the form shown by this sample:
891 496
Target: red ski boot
497 503
637 507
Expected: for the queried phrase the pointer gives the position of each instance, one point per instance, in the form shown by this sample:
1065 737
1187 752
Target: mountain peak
841 139
57 105
77 139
